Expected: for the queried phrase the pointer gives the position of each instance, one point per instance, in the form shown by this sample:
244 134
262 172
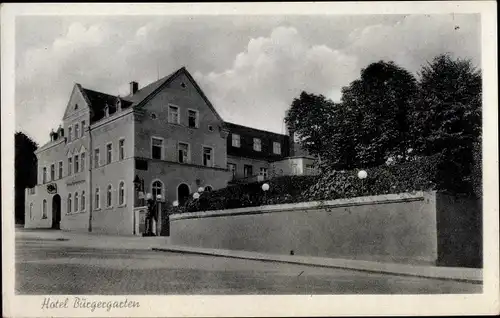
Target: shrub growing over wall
427 173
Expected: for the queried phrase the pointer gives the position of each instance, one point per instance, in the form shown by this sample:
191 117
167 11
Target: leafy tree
25 164
310 117
381 102
447 117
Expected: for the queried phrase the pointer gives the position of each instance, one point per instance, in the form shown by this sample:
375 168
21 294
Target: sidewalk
470 275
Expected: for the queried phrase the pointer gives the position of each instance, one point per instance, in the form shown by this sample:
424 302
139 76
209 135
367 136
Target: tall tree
381 102
447 119
25 174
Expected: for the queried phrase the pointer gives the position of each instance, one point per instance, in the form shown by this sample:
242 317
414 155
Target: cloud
251 68
270 72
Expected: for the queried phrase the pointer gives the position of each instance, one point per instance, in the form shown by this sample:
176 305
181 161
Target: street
48 266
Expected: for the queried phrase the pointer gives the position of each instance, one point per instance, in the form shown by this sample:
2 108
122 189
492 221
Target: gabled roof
98 100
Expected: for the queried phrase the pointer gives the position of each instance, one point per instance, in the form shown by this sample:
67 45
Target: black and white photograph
155 152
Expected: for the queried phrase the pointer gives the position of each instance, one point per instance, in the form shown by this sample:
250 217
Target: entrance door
182 193
56 212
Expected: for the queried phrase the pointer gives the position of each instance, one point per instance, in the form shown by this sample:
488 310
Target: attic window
210 128
76 106
183 85
153 116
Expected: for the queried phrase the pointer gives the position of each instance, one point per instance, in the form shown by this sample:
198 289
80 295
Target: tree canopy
389 114
25 174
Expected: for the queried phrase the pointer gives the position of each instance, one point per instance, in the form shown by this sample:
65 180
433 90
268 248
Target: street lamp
265 188
362 174
196 196
201 189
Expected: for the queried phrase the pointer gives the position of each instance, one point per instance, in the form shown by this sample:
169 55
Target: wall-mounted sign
52 188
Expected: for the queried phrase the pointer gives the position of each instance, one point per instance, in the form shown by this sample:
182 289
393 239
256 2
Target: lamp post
362 174
265 188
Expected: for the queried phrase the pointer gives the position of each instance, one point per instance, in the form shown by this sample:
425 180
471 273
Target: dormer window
76 106
183 85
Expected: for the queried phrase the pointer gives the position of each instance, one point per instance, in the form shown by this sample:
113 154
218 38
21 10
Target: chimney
134 87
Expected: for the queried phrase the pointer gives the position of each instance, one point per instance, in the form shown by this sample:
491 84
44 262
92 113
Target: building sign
52 188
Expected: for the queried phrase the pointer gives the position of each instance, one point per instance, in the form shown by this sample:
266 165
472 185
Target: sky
250 67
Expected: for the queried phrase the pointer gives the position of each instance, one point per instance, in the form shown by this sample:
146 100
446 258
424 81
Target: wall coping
357 201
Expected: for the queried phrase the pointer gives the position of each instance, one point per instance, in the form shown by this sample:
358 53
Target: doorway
182 193
56 212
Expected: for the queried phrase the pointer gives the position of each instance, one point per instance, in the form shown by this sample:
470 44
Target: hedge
427 173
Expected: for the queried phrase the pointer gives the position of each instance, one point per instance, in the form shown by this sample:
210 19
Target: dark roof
231 125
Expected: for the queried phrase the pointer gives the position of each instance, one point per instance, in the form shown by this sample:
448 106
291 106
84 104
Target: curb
316 264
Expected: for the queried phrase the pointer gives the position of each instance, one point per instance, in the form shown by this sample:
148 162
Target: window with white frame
77 131
97 197
82 161
235 140
173 114
277 148
208 160
192 118
52 172
97 157
44 209
183 152
157 188
156 148
121 193
60 169
82 205
76 202
44 175
121 149
109 196
263 172
70 166
69 203
109 153
77 164
257 146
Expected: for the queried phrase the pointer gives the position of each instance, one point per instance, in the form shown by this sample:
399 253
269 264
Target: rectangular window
208 157
77 167
82 161
77 131
232 167
247 171
277 148
83 128
156 148
52 172
183 153
44 175
97 157
97 199
236 140
69 133
256 144
109 153
70 166
263 172
192 118
60 169
173 115
121 149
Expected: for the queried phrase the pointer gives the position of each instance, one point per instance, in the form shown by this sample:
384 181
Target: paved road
48 267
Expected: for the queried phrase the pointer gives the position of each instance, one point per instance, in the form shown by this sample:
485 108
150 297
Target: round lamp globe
265 186
175 203
196 196
362 174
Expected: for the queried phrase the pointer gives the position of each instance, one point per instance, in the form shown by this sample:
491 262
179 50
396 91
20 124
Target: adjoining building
167 134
